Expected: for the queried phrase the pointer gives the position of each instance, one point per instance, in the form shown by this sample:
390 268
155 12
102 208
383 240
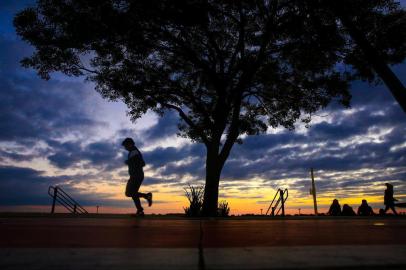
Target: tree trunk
211 191
376 61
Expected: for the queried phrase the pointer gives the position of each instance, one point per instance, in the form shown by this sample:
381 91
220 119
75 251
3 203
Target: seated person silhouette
364 209
347 210
335 209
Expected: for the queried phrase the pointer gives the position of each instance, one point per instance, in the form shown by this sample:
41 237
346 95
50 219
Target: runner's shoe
149 198
139 214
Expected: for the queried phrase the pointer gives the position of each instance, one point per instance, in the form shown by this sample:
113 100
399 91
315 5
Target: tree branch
244 80
233 130
262 104
250 70
85 69
241 36
188 121
200 108
193 56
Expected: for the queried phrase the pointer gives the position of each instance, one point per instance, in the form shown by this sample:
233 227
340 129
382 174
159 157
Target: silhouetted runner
135 163
389 201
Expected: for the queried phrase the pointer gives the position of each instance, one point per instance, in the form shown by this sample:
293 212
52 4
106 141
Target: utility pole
313 192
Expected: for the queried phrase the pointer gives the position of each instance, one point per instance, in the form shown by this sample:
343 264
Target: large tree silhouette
229 68
375 31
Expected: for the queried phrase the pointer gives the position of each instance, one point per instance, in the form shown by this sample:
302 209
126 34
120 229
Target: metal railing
278 202
60 196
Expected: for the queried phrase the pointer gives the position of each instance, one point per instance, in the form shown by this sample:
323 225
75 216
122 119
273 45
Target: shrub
195 197
223 210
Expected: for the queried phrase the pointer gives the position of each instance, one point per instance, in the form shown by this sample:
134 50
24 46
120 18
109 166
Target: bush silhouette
223 209
195 196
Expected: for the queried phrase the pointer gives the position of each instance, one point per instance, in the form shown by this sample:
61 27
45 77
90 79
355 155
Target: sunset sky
61 132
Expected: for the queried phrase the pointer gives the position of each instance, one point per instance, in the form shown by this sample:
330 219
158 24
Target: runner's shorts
133 185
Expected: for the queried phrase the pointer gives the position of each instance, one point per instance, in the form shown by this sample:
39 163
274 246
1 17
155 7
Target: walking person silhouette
135 163
389 200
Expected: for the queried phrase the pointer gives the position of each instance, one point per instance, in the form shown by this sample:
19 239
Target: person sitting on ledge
335 209
364 209
347 210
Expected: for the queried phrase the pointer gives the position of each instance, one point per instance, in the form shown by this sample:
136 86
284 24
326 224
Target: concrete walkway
309 257
129 243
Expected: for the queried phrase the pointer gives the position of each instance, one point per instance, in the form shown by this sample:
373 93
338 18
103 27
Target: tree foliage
205 58
381 22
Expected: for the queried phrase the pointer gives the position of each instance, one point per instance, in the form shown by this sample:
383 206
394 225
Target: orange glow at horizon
243 197
237 206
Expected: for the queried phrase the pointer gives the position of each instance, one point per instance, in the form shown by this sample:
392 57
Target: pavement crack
201 264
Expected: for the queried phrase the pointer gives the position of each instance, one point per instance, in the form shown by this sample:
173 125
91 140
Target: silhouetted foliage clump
223 209
195 196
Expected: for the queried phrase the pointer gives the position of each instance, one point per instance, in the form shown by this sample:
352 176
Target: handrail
276 194
60 196
284 200
279 200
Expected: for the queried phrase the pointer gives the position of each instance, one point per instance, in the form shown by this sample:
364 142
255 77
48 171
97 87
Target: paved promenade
151 243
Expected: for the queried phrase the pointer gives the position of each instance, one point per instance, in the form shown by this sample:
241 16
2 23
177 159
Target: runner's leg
142 195
394 210
137 203
137 195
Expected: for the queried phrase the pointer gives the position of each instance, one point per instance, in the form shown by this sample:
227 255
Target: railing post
74 208
54 199
282 201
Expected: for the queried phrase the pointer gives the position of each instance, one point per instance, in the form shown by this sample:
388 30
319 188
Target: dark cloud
167 181
33 111
67 154
195 167
16 157
167 126
161 156
335 146
103 155
25 186
36 113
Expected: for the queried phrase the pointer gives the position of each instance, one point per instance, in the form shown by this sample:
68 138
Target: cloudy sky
61 132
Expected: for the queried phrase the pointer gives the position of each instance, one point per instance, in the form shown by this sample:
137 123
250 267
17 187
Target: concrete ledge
299 257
